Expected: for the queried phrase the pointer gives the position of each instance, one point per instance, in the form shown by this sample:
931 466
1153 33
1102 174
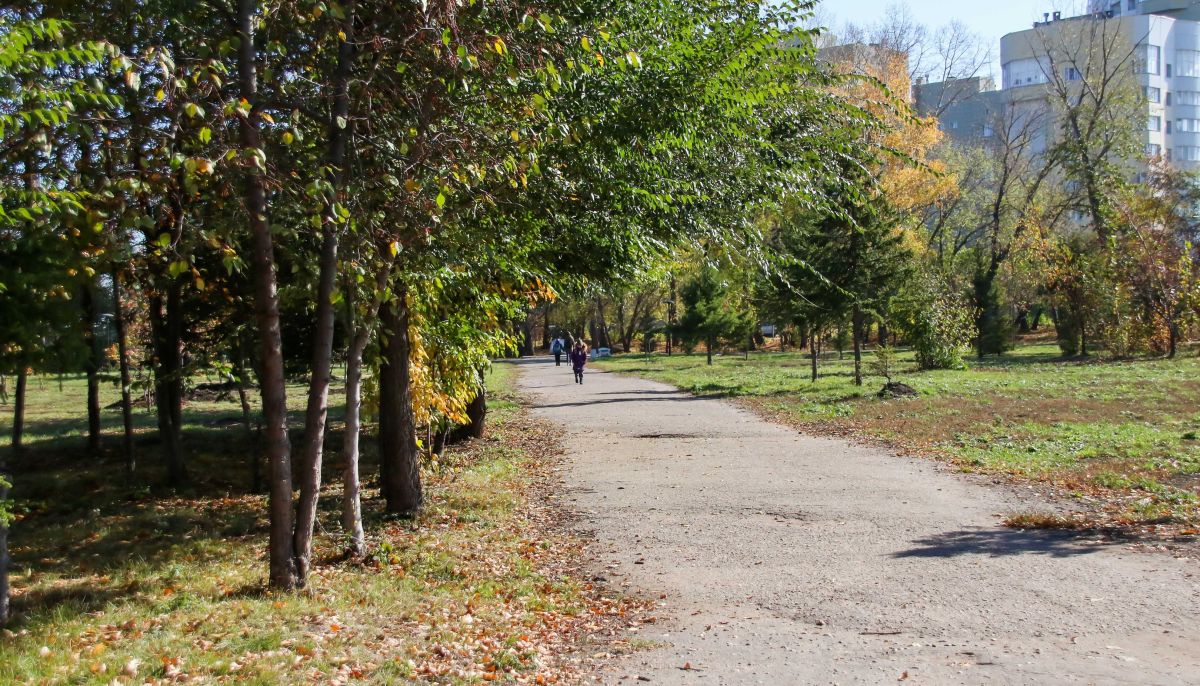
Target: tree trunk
527 335
671 318
546 327
166 323
1172 340
709 346
858 326
813 352
1023 321
601 326
317 412
252 446
352 522
92 368
4 611
123 364
399 470
284 574
360 336
477 411
18 427
981 293
1083 341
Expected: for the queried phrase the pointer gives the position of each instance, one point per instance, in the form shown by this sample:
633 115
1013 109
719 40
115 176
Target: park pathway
789 559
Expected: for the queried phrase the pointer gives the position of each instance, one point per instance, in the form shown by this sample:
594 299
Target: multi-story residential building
1165 38
967 108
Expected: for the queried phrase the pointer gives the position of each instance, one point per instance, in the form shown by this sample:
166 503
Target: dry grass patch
1042 520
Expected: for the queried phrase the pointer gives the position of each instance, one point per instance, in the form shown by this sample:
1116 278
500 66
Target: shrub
940 325
884 362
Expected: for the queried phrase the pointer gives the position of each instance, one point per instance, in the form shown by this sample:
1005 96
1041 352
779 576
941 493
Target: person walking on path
557 349
579 358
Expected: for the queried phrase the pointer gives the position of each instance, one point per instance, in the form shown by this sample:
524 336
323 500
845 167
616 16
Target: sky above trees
989 20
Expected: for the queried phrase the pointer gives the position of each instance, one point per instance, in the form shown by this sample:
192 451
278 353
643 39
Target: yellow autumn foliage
881 87
443 385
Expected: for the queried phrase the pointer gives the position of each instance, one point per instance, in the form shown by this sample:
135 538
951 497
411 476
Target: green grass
139 582
1122 431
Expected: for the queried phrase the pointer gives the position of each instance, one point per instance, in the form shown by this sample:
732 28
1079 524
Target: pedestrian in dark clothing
579 358
557 348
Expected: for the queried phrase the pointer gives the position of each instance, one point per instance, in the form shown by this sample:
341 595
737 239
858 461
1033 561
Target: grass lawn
141 584
1120 437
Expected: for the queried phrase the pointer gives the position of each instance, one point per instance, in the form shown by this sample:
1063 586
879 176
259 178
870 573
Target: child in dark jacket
579 358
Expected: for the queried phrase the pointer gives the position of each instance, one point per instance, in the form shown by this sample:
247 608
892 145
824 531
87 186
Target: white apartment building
1166 37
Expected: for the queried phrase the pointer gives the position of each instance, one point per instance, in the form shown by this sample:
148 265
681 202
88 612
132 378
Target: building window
1023 72
988 131
1185 98
1168 126
1131 5
1168 99
1153 94
1071 74
1153 150
1187 125
954 125
1153 59
1188 153
1155 124
1187 62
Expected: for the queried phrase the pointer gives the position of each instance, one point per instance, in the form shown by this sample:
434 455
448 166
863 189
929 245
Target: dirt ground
788 559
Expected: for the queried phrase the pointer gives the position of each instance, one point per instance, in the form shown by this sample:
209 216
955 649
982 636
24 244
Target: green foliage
711 315
43 251
883 362
471 169
995 329
938 324
6 507
828 260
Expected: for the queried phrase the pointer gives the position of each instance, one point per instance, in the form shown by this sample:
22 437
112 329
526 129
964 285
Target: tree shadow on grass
1003 543
90 540
72 597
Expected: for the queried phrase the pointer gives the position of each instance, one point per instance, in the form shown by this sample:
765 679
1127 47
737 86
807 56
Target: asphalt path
792 559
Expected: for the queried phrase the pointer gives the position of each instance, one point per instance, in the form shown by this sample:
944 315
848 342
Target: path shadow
1001 543
673 392
611 401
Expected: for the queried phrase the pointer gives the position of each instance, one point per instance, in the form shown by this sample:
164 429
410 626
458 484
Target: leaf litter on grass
487 585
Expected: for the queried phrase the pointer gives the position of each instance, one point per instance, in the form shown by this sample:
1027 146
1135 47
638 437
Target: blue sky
988 18
992 18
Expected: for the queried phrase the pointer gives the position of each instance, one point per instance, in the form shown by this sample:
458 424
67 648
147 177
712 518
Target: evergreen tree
710 316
